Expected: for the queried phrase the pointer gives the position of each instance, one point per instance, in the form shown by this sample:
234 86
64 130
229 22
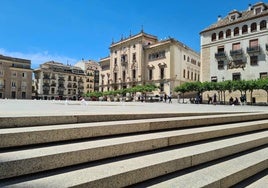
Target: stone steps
20 136
222 174
128 153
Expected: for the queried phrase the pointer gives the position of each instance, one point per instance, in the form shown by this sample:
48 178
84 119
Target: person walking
214 99
169 98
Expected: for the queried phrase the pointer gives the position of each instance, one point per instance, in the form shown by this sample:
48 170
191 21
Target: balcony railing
236 52
220 55
253 49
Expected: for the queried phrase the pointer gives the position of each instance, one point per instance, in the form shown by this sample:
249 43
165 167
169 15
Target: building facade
15 78
236 46
143 59
92 70
55 80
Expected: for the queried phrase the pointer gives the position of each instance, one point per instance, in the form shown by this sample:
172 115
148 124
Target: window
263 24
221 35
184 72
162 73
115 77
184 57
244 29
220 49
220 65
52 90
236 46
188 74
161 87
13 84
258 10
14 74
115 61
253 43
188 59
134 57
263 75
228 33
192 75
124 76
236 76
253 27
253 60
195 76
133 73
213 37
236 31
150 74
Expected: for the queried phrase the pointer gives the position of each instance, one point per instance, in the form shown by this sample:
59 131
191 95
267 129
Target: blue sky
69 30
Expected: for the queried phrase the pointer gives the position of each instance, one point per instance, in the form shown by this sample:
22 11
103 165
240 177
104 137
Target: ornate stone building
91 69
15 78
143 59
55 80
236 46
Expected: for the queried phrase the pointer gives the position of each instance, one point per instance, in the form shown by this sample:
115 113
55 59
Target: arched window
213 37
253 27
263 25
228 33
236 31
245 29
221 35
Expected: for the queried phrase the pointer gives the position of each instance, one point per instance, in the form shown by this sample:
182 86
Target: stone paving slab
10 107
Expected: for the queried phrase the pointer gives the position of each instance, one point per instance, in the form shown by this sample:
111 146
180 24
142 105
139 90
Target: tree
263 84
182 89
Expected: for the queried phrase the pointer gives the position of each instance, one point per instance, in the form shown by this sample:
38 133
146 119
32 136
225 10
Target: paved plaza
10 107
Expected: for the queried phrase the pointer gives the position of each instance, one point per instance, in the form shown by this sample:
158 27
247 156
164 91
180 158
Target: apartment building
15 78
54 80
91 69
236 46
143 59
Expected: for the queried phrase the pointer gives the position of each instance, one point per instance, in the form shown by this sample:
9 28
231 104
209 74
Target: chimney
249 7
219 17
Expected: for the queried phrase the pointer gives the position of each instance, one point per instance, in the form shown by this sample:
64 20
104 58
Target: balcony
46 77
61 79
253 49
220 55
236 52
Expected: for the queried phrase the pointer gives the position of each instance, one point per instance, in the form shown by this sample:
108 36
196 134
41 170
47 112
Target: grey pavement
9 107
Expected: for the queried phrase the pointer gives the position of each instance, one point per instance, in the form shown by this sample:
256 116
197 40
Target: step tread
43 134
152 165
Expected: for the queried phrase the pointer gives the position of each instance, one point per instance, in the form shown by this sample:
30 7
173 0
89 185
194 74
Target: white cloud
39 58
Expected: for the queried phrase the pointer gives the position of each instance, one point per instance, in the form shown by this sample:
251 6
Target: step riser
36 137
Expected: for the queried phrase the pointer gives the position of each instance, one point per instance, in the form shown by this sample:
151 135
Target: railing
236 52
253 49
220 55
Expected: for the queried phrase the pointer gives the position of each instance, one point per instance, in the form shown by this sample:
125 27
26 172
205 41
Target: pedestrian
214 99
165 97
169 98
